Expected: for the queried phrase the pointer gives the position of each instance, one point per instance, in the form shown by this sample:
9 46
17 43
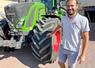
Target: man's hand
81 59
49 34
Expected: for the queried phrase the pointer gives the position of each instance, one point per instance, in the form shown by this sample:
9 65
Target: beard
71 12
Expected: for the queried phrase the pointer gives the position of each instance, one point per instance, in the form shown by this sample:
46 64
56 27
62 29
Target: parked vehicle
29 23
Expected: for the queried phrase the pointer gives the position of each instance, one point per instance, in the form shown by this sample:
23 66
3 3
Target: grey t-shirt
72 30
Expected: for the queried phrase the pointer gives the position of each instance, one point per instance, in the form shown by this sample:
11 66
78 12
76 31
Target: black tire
4 29
2 24
42 44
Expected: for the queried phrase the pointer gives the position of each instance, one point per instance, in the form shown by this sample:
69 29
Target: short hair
69 0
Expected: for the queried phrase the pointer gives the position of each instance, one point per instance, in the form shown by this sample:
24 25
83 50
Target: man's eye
70 5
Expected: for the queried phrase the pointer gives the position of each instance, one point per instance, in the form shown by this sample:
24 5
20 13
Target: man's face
71 7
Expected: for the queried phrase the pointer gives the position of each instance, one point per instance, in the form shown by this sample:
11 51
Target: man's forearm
85 43
58 27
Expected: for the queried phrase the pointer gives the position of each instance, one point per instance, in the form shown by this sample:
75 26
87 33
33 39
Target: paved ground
24 59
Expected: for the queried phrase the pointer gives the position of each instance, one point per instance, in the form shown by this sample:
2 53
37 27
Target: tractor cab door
30 20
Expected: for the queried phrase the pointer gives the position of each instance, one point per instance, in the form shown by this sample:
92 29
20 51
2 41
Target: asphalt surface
23 58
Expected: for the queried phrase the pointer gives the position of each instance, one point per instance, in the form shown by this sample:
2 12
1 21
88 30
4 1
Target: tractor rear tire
41 47
42 43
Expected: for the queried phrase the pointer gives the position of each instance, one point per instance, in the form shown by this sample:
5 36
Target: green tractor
29 23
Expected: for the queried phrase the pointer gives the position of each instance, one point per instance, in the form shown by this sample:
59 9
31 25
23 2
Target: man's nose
70 7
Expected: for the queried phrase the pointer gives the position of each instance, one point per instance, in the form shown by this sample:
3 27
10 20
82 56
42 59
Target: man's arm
85 36
56 29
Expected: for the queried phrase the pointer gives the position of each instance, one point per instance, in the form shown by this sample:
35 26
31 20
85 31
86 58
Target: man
75 27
